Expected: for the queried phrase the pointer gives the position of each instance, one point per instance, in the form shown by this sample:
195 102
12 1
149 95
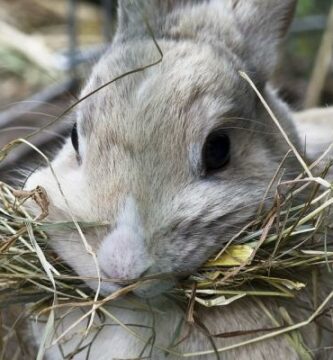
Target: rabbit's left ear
263 24
132 15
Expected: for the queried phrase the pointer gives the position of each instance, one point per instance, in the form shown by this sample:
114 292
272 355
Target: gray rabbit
175 158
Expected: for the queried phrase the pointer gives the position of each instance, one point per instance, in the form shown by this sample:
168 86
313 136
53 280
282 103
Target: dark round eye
75 138
216 152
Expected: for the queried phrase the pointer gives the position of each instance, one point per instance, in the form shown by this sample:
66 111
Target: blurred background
48 47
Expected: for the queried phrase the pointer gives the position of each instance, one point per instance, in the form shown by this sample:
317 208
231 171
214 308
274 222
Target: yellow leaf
235 255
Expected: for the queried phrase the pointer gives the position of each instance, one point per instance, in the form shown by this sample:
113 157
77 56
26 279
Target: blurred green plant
300 53
313 7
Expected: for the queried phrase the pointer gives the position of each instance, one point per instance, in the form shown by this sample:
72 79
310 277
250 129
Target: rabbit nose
123 253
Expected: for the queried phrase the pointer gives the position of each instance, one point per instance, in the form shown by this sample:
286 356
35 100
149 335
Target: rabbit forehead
144 132
189 77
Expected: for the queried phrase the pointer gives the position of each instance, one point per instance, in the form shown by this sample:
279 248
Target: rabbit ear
133 15
263 25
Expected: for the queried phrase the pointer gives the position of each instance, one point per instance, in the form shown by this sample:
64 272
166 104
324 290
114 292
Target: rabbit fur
140 169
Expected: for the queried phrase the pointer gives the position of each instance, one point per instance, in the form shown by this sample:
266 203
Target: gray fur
140 144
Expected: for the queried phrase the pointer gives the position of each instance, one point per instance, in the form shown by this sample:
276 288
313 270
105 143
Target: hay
261 254
264 259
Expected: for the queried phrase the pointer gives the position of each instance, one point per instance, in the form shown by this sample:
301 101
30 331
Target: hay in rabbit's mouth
264 259
268 257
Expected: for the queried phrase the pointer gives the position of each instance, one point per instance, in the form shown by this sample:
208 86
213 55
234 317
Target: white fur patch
123 254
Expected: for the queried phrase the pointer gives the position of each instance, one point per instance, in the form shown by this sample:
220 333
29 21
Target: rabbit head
174 157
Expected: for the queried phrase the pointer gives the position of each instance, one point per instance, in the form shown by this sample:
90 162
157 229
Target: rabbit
175 158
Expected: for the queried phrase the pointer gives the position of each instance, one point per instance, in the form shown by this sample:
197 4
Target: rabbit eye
75 138
216 152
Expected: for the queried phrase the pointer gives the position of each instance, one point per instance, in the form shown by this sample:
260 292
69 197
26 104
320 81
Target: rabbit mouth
154 288
148 285
148 289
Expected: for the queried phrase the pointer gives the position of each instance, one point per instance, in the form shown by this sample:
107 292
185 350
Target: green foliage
304 7
312 7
